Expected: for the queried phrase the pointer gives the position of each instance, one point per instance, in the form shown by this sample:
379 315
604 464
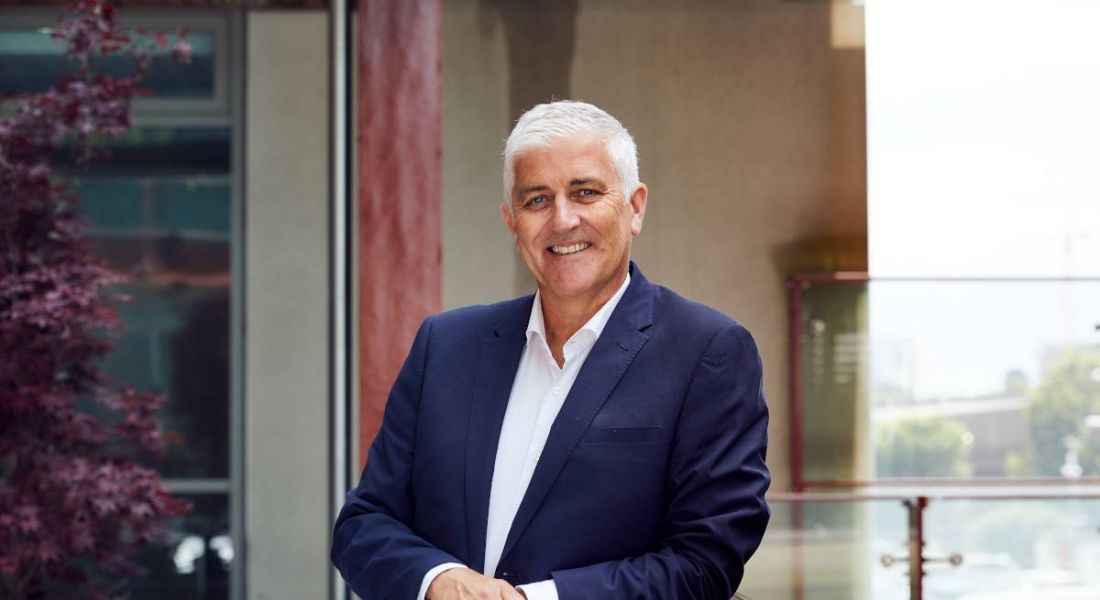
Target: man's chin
574 287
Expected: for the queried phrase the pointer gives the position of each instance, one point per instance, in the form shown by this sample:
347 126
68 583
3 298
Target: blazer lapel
609 359
497 364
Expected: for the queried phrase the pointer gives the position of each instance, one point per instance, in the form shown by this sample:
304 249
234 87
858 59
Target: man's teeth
571 249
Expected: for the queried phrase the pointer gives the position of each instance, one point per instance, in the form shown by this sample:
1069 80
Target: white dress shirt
538 392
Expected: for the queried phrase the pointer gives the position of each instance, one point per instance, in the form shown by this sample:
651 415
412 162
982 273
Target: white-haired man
602 438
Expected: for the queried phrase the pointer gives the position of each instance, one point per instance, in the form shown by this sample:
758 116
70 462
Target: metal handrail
933 495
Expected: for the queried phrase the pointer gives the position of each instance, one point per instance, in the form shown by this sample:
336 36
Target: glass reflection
30 61
951 379
196 561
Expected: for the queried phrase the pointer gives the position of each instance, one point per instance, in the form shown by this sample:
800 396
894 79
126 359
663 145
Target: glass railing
1003 546
827 548
946 442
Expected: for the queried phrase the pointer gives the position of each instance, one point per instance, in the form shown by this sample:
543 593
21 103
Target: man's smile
570 249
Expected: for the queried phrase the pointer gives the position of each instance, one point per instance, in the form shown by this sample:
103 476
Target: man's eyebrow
533 188
588 181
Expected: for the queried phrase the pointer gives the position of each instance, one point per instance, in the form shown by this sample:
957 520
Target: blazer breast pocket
618 435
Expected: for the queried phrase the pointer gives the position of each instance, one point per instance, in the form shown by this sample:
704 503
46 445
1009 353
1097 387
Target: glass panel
1014 549
31 61
985 379
830 550
951 379
177 343
196 562
982 148
159 210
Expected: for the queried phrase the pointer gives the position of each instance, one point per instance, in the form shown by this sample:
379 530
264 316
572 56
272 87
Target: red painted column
399 106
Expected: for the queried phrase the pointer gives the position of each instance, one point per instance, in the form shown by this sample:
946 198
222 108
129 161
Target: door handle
954 559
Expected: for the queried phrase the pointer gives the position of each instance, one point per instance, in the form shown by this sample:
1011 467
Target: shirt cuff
430 576
540 590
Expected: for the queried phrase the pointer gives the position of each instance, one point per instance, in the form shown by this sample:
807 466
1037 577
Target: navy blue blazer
651 484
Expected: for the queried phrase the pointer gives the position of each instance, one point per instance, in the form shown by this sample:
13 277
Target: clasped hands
467 584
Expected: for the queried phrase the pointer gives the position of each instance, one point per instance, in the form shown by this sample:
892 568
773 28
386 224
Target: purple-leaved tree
74 505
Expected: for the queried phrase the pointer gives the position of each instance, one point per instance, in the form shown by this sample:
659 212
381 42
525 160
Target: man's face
570 222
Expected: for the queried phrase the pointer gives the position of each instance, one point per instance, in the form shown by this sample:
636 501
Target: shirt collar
537 325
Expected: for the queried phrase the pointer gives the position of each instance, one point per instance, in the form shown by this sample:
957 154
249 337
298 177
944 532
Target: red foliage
73 503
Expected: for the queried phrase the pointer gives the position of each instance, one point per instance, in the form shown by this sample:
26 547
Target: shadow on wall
541 37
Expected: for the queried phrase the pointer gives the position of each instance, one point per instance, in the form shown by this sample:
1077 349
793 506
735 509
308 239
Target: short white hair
545 123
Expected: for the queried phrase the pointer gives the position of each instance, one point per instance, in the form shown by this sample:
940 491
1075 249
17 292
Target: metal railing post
916 508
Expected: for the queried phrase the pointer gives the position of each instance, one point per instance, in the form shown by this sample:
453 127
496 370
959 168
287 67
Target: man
602 439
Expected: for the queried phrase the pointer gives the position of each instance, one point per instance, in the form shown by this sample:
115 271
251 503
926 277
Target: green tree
1068 392
929 447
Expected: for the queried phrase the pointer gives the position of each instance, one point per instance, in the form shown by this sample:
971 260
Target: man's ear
637 207
507 218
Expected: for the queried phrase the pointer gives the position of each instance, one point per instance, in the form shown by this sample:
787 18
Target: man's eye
535 201
586 193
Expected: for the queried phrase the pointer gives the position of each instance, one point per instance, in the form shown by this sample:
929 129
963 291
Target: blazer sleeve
716 513
373 547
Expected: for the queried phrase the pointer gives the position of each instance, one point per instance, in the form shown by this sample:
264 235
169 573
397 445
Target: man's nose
565 215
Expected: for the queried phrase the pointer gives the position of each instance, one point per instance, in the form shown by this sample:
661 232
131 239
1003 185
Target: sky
983 161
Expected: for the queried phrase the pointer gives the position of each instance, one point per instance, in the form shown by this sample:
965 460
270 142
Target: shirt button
556 390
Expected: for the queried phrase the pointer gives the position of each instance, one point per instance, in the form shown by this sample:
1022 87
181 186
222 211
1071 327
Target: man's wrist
430 576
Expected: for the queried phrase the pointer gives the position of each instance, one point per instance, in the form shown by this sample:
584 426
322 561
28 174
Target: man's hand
467 584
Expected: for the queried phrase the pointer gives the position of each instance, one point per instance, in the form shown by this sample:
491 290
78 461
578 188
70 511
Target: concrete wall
750 127
286 369
478 264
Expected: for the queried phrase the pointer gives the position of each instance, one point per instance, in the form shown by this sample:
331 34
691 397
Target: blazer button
508 576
